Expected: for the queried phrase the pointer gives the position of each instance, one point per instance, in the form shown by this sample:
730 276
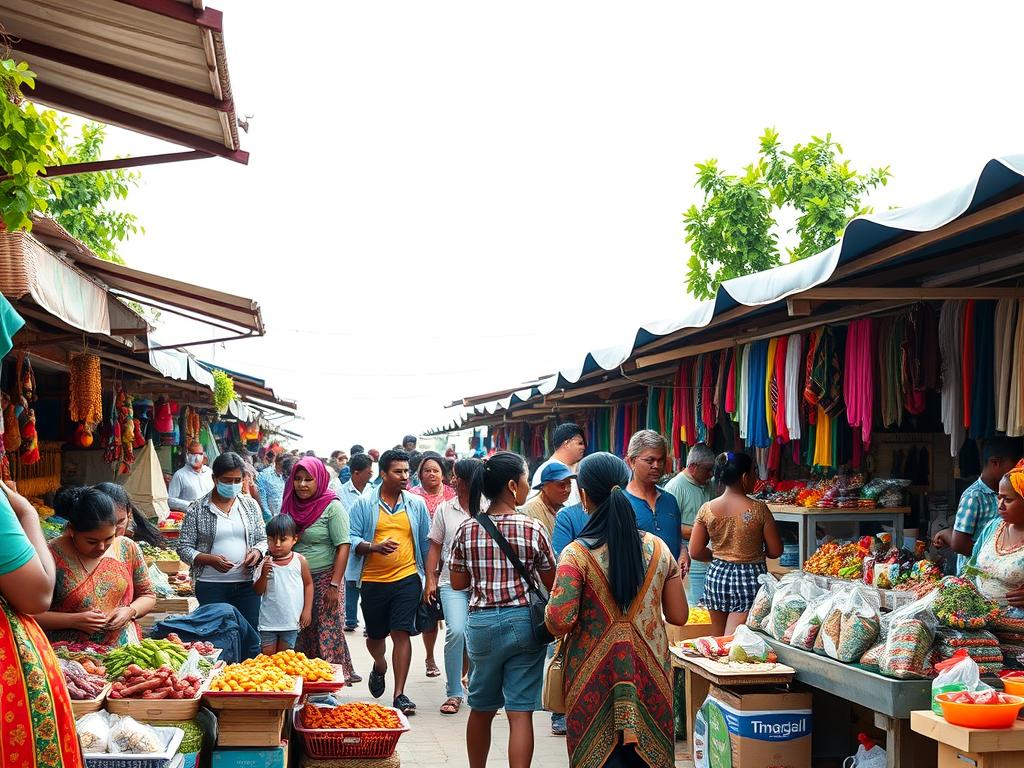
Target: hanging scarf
779 390
730 385
967 379
859 377
305 512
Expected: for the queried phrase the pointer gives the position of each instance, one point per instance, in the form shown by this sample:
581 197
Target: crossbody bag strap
488 525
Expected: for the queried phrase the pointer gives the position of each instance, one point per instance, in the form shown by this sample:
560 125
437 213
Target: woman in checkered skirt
735 534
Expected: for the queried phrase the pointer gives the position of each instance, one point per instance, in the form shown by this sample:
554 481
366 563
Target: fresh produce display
980 697
181 584
253 678
353 715
192 741
152 554
139 683
698 615
844 561
89 655
296 664
960 605
200 646
82 685
149 654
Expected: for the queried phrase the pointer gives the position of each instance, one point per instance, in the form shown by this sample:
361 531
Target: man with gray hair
691 487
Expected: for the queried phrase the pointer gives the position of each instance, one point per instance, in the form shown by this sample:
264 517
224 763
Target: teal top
15 548
319 543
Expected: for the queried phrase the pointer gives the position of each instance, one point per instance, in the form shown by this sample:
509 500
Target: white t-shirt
447 519
187 485
230 542
282 602
574 494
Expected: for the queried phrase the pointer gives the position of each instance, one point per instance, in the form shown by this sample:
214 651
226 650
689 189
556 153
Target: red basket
329 743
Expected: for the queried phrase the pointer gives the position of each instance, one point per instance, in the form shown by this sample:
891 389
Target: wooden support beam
798 307
864 293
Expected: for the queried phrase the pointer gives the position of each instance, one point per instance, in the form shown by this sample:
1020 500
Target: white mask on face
195 459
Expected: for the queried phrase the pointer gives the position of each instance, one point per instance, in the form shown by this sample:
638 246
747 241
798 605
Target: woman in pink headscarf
324 541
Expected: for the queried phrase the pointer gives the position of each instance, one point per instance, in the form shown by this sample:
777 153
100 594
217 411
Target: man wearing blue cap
553 489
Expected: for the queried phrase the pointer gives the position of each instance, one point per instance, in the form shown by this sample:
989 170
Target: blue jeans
238 594
456 612
508 664
351 604
695 586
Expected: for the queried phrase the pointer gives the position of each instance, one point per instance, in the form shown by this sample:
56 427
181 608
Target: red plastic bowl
980 715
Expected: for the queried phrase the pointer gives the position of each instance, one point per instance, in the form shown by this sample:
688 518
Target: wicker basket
352 762
150 710
327 743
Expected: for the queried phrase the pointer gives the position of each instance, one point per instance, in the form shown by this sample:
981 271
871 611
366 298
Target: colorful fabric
1016 476
1005 326
794 385
731 587
320 541
119 578
1001 567
617 674
495 581
39 726
737 538
951 334
434 500
826 381
324 638
979 506
757 425
859 377
771 393
780 429
305 512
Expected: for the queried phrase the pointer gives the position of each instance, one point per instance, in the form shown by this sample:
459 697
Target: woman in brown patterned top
735 534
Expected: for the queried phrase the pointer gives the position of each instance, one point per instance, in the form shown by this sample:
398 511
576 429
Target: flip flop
451 706
432 669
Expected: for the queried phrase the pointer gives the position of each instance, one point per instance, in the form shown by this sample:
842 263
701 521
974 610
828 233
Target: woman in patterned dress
38 728
614 589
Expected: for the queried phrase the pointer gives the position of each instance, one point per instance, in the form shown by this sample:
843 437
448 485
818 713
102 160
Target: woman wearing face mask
102 586
325 542
613 585
507 664
131 522
223 538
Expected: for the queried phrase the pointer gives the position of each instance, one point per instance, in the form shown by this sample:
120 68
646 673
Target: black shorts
390 606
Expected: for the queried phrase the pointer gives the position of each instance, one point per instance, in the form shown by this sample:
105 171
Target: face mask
195 459
228 490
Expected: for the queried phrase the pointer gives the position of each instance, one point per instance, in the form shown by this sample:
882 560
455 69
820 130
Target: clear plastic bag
909 633
852 625
94 732
762 606
128 736
786 601
747 647
161 586
805 631
869 755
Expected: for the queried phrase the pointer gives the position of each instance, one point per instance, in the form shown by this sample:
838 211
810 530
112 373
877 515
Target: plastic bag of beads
762 606
1009 619
961 606
788 605
872 656
909 633
805 631
858 626
959 638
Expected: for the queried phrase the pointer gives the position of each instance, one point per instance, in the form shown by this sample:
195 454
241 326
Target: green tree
82 205
30 140
731 233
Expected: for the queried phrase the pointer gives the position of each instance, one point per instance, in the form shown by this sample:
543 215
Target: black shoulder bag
538 600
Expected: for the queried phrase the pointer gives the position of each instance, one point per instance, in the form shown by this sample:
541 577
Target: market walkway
438 740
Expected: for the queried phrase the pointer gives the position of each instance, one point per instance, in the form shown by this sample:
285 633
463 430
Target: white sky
449 198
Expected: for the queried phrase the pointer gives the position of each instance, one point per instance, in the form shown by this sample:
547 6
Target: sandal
451 706
432 670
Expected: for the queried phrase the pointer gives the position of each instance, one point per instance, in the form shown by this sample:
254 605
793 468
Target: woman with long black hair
614 589
131 522
506 661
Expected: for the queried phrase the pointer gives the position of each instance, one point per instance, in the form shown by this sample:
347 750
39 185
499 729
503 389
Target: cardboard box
250 727
753 729
275 757
677 634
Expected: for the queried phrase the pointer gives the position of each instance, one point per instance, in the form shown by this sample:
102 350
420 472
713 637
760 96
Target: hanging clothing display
794 384
779 390
910 364
742 387
757 426
1014 405
1005 329
951 332
983 411
859 377
771 395
967 371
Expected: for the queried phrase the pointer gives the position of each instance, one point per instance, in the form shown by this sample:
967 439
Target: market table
807 519
701 674
962 747
892 701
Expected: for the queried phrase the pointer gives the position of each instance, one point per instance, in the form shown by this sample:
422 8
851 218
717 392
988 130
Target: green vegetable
193 740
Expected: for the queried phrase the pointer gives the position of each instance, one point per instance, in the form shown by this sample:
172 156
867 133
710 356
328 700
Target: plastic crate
329 743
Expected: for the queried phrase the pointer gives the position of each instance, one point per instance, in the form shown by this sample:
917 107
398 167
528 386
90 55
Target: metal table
892 701
808 518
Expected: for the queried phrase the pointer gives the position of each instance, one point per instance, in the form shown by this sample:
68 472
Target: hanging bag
538 600
554 680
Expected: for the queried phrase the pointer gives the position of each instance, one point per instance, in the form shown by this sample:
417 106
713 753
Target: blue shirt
349 495
664 522
271 488
569 524
978 507
363 518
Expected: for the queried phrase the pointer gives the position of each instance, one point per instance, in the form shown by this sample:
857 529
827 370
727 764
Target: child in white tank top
286 585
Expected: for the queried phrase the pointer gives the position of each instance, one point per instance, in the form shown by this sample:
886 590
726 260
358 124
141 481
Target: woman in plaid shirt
507 664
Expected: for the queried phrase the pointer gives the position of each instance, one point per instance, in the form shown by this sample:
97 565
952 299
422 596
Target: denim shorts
276 638
506 663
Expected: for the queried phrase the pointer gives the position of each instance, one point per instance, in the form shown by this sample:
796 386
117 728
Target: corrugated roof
157 67
995 196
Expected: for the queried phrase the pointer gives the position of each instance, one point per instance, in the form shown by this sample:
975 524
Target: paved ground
438 740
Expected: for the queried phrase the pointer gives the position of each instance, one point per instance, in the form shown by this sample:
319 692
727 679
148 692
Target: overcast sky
448 198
